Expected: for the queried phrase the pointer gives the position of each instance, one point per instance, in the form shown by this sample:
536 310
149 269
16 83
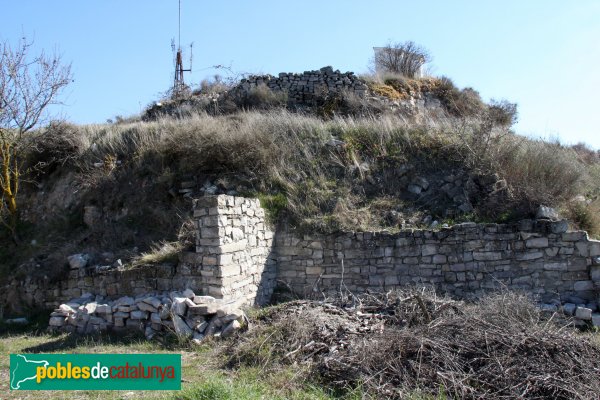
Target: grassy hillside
125 188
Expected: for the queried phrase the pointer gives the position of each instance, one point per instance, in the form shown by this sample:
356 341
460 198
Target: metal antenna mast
178 83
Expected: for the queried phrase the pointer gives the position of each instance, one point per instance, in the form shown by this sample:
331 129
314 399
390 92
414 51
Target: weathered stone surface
537 242
78 261
146 307
57 321
230 328
124 301
90 308
580 286
103 309
204 309
583 313
569 308
153 301
179 306
203 299
545 212
138 315
181 328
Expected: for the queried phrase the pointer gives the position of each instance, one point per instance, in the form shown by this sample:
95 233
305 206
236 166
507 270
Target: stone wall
233 260
465 261
238 258
233 249
304 88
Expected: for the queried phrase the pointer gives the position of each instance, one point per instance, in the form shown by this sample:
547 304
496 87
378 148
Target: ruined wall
233 249
465 261
233 260
238 258
305 87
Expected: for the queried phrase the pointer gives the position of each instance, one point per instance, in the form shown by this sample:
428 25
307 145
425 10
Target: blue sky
542 54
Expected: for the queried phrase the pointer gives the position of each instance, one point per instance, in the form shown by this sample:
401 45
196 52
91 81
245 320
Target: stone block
536 243
583 313
581 286
138 315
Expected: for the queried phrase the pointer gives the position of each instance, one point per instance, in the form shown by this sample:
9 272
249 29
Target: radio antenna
178 83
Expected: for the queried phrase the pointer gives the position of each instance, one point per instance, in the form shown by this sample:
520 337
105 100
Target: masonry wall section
465 261
237 257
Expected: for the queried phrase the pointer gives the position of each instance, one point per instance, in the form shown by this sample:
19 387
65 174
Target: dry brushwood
399 343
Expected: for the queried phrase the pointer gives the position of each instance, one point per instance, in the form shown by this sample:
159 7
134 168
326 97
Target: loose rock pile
305 87
186 315
583 314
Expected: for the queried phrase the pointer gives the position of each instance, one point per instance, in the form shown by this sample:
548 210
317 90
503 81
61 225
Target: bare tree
401 58
28 85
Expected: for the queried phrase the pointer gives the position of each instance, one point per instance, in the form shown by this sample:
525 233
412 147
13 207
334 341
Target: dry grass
165 252
281 153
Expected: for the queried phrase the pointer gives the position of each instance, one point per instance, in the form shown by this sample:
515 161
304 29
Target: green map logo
95 371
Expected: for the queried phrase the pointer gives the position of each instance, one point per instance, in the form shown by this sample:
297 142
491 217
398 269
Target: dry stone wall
304 88
233 260
233 249
466 261
239 259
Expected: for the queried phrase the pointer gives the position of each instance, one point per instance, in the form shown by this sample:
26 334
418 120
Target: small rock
230 328
55 321
560 226
545 212
90 308
153 301
204 309
336 143
138 315
77 261
179 306
204 299
146 307
569 308
201 327
164 311
124 301
234 315
149 332
414 189
181 328
103 309
155 318
583 313
596 319
189 293
421 182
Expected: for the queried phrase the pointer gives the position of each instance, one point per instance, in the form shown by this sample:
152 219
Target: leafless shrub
405 58
28 85
57 144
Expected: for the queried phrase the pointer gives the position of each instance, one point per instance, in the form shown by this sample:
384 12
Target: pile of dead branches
400 343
